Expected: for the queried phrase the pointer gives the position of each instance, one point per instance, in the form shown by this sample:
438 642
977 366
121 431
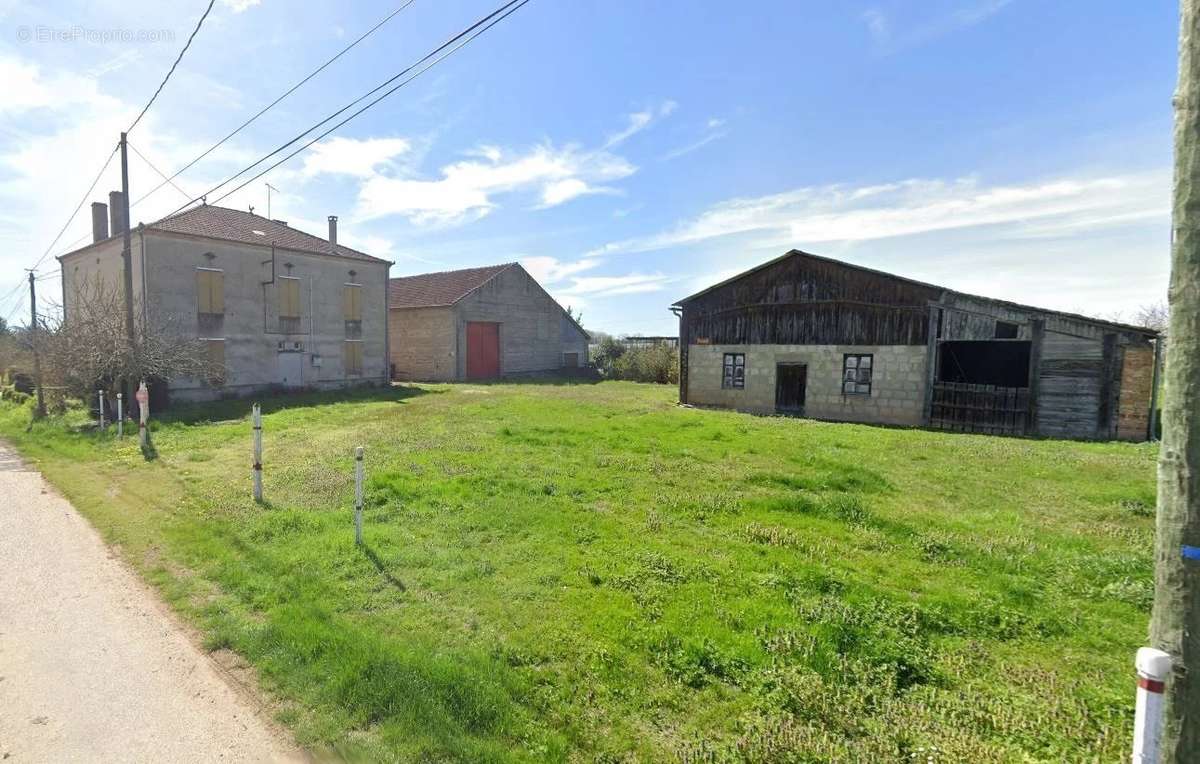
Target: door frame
467 347
804 391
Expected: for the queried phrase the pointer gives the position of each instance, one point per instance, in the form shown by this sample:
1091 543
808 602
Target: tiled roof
234 225
429 290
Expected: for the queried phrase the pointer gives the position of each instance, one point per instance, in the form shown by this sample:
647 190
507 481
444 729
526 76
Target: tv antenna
270 188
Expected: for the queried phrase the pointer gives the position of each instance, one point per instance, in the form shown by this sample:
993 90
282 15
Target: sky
628 153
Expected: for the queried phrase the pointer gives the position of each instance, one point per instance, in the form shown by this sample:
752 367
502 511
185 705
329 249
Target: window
210 291
352 310
215 348
289 297
1006 330
734 375
856 374
353 358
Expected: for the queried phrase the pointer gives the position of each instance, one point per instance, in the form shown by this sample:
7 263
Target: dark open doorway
791 379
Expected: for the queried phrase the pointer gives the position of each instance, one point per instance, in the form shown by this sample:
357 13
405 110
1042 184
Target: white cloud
814 215
694 145
639 121
238 6
349 156
550 270
612 286
889 38
466 190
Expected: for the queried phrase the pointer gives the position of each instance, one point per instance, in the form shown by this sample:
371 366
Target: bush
659 363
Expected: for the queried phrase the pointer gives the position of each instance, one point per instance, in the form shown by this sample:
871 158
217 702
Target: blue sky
632 152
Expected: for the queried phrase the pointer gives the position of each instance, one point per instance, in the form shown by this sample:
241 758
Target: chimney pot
116 213
99 221
333 234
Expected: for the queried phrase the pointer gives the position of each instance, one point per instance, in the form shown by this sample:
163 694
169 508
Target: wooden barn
479 323
811 336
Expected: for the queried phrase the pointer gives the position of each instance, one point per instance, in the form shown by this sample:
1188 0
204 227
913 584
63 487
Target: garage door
483 350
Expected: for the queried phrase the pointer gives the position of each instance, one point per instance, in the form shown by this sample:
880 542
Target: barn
811 336
479 323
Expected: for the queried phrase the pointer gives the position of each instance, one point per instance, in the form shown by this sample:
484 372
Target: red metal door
483 350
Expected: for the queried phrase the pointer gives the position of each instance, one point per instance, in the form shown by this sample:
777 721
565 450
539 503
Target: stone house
276 307
479 323
811 336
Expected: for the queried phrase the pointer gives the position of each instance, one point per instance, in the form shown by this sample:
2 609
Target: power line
160 172
285 94
86 194
429 60
171 71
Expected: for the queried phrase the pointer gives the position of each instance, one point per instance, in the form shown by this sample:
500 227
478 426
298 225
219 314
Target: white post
257 419
358 495
1153 666
120 417
100 399
143 399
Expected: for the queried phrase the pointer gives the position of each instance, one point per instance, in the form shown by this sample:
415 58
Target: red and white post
1153 667
256 418
358 495
100 403
120 417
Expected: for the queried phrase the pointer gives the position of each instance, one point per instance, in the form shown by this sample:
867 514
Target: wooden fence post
256 418
358 495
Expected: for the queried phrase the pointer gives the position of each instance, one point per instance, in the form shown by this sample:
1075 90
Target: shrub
658 363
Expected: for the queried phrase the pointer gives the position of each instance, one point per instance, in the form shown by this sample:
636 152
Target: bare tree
1155 315
89 346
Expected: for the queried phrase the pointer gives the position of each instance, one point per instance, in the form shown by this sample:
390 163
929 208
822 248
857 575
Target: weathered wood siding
801 300
1070 385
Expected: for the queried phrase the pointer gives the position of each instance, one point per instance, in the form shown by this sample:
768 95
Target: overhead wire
75 212
171 71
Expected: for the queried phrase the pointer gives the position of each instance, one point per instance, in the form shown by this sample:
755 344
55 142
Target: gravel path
93 667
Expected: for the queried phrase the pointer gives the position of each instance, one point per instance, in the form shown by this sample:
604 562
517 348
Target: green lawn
592 573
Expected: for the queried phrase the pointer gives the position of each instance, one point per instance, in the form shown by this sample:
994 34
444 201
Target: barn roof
944 290
226 224
430 290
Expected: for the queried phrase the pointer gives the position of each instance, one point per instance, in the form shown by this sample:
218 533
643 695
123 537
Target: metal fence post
100 400
120 417
257 419
1153 667
143 400
358 495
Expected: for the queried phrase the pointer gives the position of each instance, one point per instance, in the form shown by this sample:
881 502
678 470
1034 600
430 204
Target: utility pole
37 361
1175 621
126 255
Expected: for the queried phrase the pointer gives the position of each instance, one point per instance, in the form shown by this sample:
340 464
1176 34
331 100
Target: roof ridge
455 270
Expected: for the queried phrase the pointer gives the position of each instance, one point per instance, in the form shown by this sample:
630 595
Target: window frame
857 368
1009 333
730 379
291 282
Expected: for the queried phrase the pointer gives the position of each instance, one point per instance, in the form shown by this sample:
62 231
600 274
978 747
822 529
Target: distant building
643 341
810 336
479 323
276 307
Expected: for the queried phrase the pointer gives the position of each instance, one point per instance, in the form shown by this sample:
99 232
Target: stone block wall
897 389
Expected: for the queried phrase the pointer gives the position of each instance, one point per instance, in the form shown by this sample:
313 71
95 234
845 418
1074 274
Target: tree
90 347
1154 315
1175 620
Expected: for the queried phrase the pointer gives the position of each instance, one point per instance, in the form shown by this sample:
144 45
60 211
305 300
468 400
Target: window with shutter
353 358
289 297
216 361
352 302
210 292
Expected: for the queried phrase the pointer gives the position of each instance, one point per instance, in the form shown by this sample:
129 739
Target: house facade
276 308
810 336
479 323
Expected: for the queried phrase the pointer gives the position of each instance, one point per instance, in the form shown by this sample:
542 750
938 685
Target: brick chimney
99 221
116 213
333 234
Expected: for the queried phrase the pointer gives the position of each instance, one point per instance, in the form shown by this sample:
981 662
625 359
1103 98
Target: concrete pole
1153 668
143 399
120 417
37 360
358 495
100 402
1175 620
256 417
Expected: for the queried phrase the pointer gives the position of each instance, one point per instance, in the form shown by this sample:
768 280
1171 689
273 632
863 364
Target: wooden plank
931 352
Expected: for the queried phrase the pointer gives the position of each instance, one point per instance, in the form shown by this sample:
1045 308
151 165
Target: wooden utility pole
1175 621
37 360
126 256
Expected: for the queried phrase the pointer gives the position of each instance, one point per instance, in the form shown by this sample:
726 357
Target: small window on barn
1006 330
734 372
856 374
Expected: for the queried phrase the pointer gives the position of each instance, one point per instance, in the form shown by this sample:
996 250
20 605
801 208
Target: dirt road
92 665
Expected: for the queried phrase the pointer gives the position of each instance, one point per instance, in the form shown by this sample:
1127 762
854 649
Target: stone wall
1137 382
423 344
897 390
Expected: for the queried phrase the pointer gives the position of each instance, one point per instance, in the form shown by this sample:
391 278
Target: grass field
592 573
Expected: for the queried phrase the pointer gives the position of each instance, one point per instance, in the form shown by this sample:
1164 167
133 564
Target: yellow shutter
352 303
289 298
353 358
216 359
210 292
